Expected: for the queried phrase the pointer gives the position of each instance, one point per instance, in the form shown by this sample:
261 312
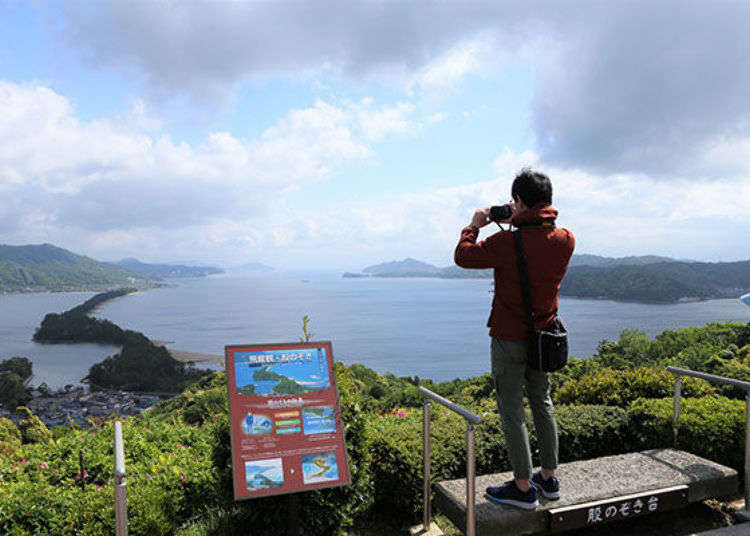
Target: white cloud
113 175
376 124
471 56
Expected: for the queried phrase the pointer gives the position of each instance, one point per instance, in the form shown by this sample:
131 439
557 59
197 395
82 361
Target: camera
501 213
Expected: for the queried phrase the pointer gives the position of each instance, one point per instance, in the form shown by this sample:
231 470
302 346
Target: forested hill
586 259
47 267
648 279
659 283
165 270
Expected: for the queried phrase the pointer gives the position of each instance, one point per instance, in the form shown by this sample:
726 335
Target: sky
336 135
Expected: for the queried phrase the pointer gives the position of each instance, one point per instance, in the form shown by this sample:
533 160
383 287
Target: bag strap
523 277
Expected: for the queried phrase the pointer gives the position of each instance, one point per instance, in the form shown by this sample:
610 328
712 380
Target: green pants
511 376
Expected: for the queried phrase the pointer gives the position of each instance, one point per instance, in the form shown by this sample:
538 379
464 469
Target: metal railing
745 386
471 420
121 503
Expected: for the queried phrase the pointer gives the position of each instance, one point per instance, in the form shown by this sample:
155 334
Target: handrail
465 413
471 419
679 373
709 377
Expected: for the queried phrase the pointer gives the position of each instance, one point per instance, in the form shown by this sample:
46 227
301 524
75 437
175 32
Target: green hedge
711 427
612 387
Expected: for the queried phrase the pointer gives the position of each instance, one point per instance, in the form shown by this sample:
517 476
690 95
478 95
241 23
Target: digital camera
500 213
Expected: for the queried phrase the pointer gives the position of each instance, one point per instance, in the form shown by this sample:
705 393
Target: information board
285 419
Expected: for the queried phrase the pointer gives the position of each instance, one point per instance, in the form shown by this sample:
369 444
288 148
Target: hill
646 279
659 283
47 267
402 268
164 270
585 259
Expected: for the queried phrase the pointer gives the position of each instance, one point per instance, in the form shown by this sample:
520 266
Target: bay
432 328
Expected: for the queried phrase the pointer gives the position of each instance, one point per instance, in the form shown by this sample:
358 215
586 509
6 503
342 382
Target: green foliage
612 387
591 431
17 365
10 437
43 491
199 403
306 334
13 392
32 429
712 427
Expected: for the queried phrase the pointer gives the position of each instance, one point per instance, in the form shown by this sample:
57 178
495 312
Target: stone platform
603 483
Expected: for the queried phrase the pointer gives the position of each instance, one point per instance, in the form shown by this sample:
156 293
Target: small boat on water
745 299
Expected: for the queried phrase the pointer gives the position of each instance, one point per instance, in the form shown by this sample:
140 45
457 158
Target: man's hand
481 217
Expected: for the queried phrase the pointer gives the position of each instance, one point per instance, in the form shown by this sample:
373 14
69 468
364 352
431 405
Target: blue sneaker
510 494
550 488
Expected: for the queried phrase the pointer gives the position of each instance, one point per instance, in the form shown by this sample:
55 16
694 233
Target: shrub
32 429
591 431
10 437
612 387
712 427
169 478
13 392
201 402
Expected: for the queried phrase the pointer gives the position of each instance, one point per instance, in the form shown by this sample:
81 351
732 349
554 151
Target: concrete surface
587 481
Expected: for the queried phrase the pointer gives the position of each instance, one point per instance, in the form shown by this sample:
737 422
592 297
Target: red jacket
548 250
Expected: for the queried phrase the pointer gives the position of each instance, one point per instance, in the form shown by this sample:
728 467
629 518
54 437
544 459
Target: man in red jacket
548 250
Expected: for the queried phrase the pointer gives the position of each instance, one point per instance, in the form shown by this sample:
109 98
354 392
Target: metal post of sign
121 504
293 513
427 501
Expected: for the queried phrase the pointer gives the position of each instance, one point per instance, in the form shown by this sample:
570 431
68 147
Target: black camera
501 213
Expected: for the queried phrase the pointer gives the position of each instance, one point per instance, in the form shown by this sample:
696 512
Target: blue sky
337 134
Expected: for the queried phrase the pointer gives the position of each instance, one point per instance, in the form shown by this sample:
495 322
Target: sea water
432 328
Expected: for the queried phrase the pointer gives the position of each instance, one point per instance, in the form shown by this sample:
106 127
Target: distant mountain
47 267
649 279
165 270
585 259
253 267
402 268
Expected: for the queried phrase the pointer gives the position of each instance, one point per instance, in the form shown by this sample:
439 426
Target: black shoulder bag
547 350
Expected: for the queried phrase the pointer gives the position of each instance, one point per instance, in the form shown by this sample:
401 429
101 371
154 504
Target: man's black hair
532 187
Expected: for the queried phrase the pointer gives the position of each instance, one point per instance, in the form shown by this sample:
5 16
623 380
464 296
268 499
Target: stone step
735 530
675 478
